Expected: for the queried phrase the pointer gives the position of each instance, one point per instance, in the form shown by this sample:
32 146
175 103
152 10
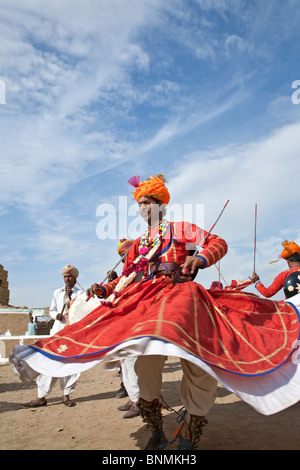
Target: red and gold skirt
235 331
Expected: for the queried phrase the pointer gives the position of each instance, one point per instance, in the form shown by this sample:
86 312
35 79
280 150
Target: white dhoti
129 378
46 384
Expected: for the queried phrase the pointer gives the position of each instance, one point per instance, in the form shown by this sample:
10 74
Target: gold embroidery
160 318
230 358
263 358
195 318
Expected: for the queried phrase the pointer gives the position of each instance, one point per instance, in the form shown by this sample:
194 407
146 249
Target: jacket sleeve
110 287
214 249
211 248
275 287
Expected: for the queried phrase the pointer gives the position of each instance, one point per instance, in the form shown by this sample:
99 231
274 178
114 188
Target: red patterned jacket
180 240
277 284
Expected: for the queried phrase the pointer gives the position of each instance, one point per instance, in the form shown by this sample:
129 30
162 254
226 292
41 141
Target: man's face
70 280
149 209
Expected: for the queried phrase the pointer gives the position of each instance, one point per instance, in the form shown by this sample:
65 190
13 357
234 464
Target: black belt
166 268
169 268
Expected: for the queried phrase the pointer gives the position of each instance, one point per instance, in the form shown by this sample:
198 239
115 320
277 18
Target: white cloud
235 43
11 256
259 172
255 172
57 60
220 6
68 49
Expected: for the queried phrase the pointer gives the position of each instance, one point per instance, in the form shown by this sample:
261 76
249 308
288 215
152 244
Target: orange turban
154 187
290 248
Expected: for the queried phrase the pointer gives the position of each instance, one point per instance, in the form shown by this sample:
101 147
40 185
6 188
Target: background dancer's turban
290 248
68 269
124 246
154 186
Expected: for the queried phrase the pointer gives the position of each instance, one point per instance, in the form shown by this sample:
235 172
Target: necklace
147 250
146 244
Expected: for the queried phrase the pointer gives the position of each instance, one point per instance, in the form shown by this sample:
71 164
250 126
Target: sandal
69 402
31 404
126 407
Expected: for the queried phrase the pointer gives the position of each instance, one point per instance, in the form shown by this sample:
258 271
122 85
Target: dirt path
96 424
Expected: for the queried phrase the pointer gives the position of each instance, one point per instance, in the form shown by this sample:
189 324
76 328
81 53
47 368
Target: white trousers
45 384
197 391
130 379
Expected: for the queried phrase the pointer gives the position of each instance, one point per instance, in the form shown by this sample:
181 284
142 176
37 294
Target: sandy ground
96 424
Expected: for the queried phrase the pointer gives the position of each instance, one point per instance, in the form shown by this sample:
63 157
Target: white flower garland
126 280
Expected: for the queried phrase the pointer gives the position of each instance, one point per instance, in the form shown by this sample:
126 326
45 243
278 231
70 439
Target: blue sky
97 91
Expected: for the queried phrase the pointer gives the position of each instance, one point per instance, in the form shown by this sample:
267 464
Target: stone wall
4 291
16 323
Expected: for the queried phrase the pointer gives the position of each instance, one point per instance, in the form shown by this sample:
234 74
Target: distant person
32 326
60 305
112 275
290 253
62 298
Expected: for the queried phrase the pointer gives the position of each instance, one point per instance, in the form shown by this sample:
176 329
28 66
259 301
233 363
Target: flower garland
147 250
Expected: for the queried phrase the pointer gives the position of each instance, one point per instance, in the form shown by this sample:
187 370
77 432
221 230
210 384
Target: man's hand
95 289
191 264
69 291
59 317
255 278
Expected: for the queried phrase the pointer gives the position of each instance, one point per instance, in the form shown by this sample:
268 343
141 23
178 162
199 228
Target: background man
59 307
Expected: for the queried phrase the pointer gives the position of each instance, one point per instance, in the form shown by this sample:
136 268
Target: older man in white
59 307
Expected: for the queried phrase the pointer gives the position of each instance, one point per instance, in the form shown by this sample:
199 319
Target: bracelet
205 262
104 291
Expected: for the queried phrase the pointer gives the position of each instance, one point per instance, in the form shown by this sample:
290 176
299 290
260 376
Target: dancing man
167 247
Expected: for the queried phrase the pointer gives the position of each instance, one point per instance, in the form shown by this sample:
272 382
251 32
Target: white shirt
57 306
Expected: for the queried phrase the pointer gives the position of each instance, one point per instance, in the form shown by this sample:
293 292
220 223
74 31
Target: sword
254 254
208 233
122 257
